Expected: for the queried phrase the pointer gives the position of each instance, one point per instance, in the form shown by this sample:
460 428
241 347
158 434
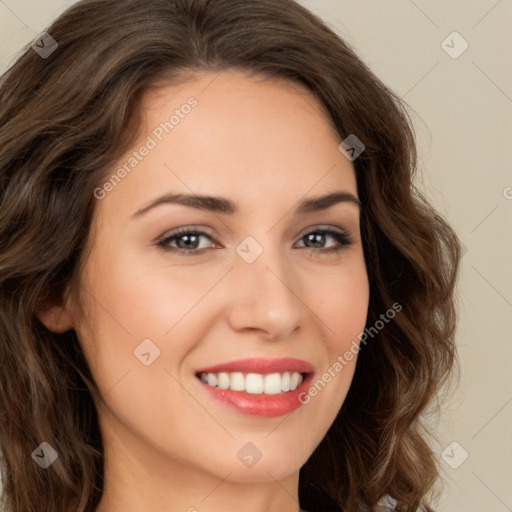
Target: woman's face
259 283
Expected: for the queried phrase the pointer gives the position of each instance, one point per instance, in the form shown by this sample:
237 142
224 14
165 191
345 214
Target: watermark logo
249 454
454 455
45 45
146 352
249 249
454 45
45 455
351 147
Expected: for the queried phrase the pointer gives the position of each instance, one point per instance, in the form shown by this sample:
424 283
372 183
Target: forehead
242 138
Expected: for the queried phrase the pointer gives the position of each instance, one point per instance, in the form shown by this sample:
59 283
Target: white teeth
294 380
223 381
272 384
285 381
254 383
237 381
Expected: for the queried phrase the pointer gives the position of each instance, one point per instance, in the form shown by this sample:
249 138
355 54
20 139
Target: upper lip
263 366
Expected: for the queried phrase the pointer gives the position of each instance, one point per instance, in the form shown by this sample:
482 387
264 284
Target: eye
186 241
319 237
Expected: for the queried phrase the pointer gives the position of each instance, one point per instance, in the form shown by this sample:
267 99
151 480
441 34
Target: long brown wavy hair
64 121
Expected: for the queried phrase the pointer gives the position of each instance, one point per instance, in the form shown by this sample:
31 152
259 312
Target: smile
258 387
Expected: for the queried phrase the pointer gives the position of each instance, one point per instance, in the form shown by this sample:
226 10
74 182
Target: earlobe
55 317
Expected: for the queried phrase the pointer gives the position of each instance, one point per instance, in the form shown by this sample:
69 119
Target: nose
265 297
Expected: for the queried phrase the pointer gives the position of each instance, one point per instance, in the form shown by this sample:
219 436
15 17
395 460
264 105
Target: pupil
316 238
188 240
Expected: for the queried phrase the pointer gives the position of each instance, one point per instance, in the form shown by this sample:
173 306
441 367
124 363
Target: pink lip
261 405
263 366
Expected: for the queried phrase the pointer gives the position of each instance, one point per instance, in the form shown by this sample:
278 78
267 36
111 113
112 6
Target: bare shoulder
388 504
385 504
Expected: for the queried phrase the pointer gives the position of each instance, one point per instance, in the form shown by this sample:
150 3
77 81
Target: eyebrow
224 205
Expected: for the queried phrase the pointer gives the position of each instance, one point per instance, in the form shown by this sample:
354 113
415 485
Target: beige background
462 110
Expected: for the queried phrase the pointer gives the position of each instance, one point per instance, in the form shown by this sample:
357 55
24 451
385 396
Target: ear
55 314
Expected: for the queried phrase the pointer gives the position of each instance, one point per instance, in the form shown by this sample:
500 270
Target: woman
219 286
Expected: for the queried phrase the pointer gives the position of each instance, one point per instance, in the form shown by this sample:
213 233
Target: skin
168 445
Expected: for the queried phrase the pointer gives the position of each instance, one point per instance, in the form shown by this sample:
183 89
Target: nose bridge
266 296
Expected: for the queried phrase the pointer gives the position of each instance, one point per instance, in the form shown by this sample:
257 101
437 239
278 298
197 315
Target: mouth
258 387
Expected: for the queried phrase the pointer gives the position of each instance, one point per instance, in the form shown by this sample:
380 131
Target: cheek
342 310
341 302
129 316
133 301
129 303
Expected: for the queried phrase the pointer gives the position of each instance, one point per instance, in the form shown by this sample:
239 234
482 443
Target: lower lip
262 405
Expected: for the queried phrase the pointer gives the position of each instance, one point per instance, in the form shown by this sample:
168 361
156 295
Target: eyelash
344 240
